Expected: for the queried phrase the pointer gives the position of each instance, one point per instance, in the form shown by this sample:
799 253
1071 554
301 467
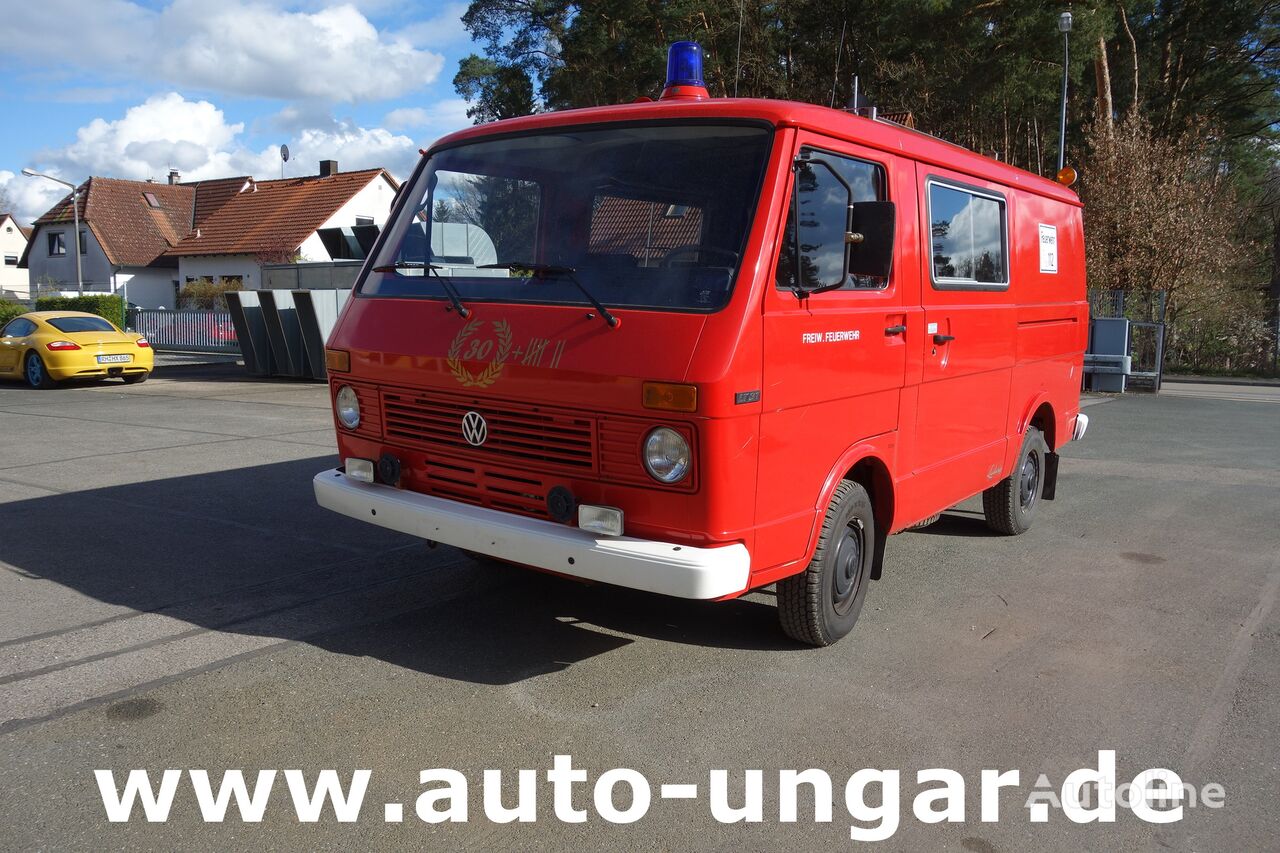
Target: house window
57 243
10 260
152 201
84 242
364 220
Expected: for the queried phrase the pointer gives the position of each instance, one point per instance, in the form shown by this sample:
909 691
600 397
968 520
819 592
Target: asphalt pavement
170 597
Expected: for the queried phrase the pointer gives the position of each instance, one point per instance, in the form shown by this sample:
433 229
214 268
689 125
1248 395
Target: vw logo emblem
474 428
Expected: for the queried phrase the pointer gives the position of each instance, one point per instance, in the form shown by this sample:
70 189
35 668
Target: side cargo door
968 341
834 362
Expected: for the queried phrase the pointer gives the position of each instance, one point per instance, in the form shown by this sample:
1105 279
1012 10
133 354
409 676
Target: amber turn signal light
338 360
669 396
1067 176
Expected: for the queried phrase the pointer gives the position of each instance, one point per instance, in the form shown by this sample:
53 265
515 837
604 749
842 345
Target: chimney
328 167
174 177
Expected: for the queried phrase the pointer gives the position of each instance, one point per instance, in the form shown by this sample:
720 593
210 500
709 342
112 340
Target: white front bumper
678 570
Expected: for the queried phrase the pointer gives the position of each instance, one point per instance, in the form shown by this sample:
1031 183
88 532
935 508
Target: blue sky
132 88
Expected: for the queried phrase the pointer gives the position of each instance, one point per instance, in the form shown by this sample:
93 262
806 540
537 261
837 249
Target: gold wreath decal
491 372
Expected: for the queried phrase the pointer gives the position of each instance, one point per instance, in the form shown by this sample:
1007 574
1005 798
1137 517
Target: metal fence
186 331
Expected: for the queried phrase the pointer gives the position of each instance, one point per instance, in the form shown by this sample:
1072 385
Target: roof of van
883 135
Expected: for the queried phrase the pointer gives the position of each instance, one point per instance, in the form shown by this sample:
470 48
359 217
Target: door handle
943 339
895 330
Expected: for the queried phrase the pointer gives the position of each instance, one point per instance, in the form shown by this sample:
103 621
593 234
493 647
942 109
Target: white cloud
29 197
444 28
194 136
233 46
440 118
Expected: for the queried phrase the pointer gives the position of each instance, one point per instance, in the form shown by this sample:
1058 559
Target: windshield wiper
449 289
555 269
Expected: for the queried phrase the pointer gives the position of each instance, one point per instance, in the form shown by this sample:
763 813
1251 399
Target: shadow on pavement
247 551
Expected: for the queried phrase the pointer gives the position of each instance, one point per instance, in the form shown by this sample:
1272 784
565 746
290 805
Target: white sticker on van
1048 248
830 337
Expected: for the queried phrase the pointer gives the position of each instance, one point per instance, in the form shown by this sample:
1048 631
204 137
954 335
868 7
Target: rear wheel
37 374
135 378
1010 505
821 604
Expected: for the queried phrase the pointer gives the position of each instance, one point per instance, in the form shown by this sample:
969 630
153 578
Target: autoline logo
873 799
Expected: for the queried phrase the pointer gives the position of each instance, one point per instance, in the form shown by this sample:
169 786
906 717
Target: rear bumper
1079 427
677 570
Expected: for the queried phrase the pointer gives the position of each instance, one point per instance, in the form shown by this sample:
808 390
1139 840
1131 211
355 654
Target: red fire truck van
697 346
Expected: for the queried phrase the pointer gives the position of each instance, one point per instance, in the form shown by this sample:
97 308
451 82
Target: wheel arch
863 464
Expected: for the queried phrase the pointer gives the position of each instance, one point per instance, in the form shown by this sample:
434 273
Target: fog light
360 469
605 520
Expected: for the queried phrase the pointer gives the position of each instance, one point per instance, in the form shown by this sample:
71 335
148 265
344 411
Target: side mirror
870 238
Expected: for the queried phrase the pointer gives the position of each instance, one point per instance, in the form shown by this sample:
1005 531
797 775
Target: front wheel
1010 505
821 604
37 374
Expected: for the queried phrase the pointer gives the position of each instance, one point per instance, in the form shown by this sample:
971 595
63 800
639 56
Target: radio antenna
835 78
737 68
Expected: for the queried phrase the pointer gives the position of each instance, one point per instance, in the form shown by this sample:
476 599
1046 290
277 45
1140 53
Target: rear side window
968 238
18 328
81 324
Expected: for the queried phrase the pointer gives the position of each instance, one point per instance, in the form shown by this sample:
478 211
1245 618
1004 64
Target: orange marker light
669 396
338 360
1067 176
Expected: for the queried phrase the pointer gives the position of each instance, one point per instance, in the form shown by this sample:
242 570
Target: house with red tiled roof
330 217
126 227
144 240
13 242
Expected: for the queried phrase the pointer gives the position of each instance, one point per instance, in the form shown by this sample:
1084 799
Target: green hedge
104 305
9 310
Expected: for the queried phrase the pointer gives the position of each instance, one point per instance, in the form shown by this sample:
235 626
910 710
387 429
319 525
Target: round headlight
666 455
347 405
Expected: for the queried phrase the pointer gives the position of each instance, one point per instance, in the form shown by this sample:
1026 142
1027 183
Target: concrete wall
13 281
147 287
216 266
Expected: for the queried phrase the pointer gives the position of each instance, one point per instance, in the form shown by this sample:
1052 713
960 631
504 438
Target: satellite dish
284 153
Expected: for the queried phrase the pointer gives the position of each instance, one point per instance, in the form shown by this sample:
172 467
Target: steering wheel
668 259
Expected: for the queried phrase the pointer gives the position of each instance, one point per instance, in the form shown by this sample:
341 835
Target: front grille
476 484
517 432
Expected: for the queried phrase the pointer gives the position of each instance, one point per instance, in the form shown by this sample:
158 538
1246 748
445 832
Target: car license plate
113 359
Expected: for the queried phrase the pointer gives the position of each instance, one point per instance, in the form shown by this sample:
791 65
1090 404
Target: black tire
36 374
1010 505
925 522
135 378
821 604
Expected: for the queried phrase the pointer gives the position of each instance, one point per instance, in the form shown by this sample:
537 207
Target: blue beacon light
684 72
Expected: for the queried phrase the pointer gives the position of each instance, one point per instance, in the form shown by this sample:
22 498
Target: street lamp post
1064 26
75 214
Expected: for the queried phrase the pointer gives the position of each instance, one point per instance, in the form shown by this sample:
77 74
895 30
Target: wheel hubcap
847 566
1030 480
33 370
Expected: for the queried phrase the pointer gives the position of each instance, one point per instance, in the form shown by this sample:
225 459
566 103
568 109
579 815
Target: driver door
11 344
834 362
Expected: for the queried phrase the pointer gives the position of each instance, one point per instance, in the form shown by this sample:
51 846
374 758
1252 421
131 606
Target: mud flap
1050 476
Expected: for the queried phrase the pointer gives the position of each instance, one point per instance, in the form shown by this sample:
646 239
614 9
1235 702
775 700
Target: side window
822 204
57 243
18 328
968 238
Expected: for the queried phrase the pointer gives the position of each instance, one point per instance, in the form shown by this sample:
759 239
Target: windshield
641 216
81 324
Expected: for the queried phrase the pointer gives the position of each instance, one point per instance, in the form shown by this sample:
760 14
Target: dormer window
152 201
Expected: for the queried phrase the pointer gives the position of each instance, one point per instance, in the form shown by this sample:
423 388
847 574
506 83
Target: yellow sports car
46 347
